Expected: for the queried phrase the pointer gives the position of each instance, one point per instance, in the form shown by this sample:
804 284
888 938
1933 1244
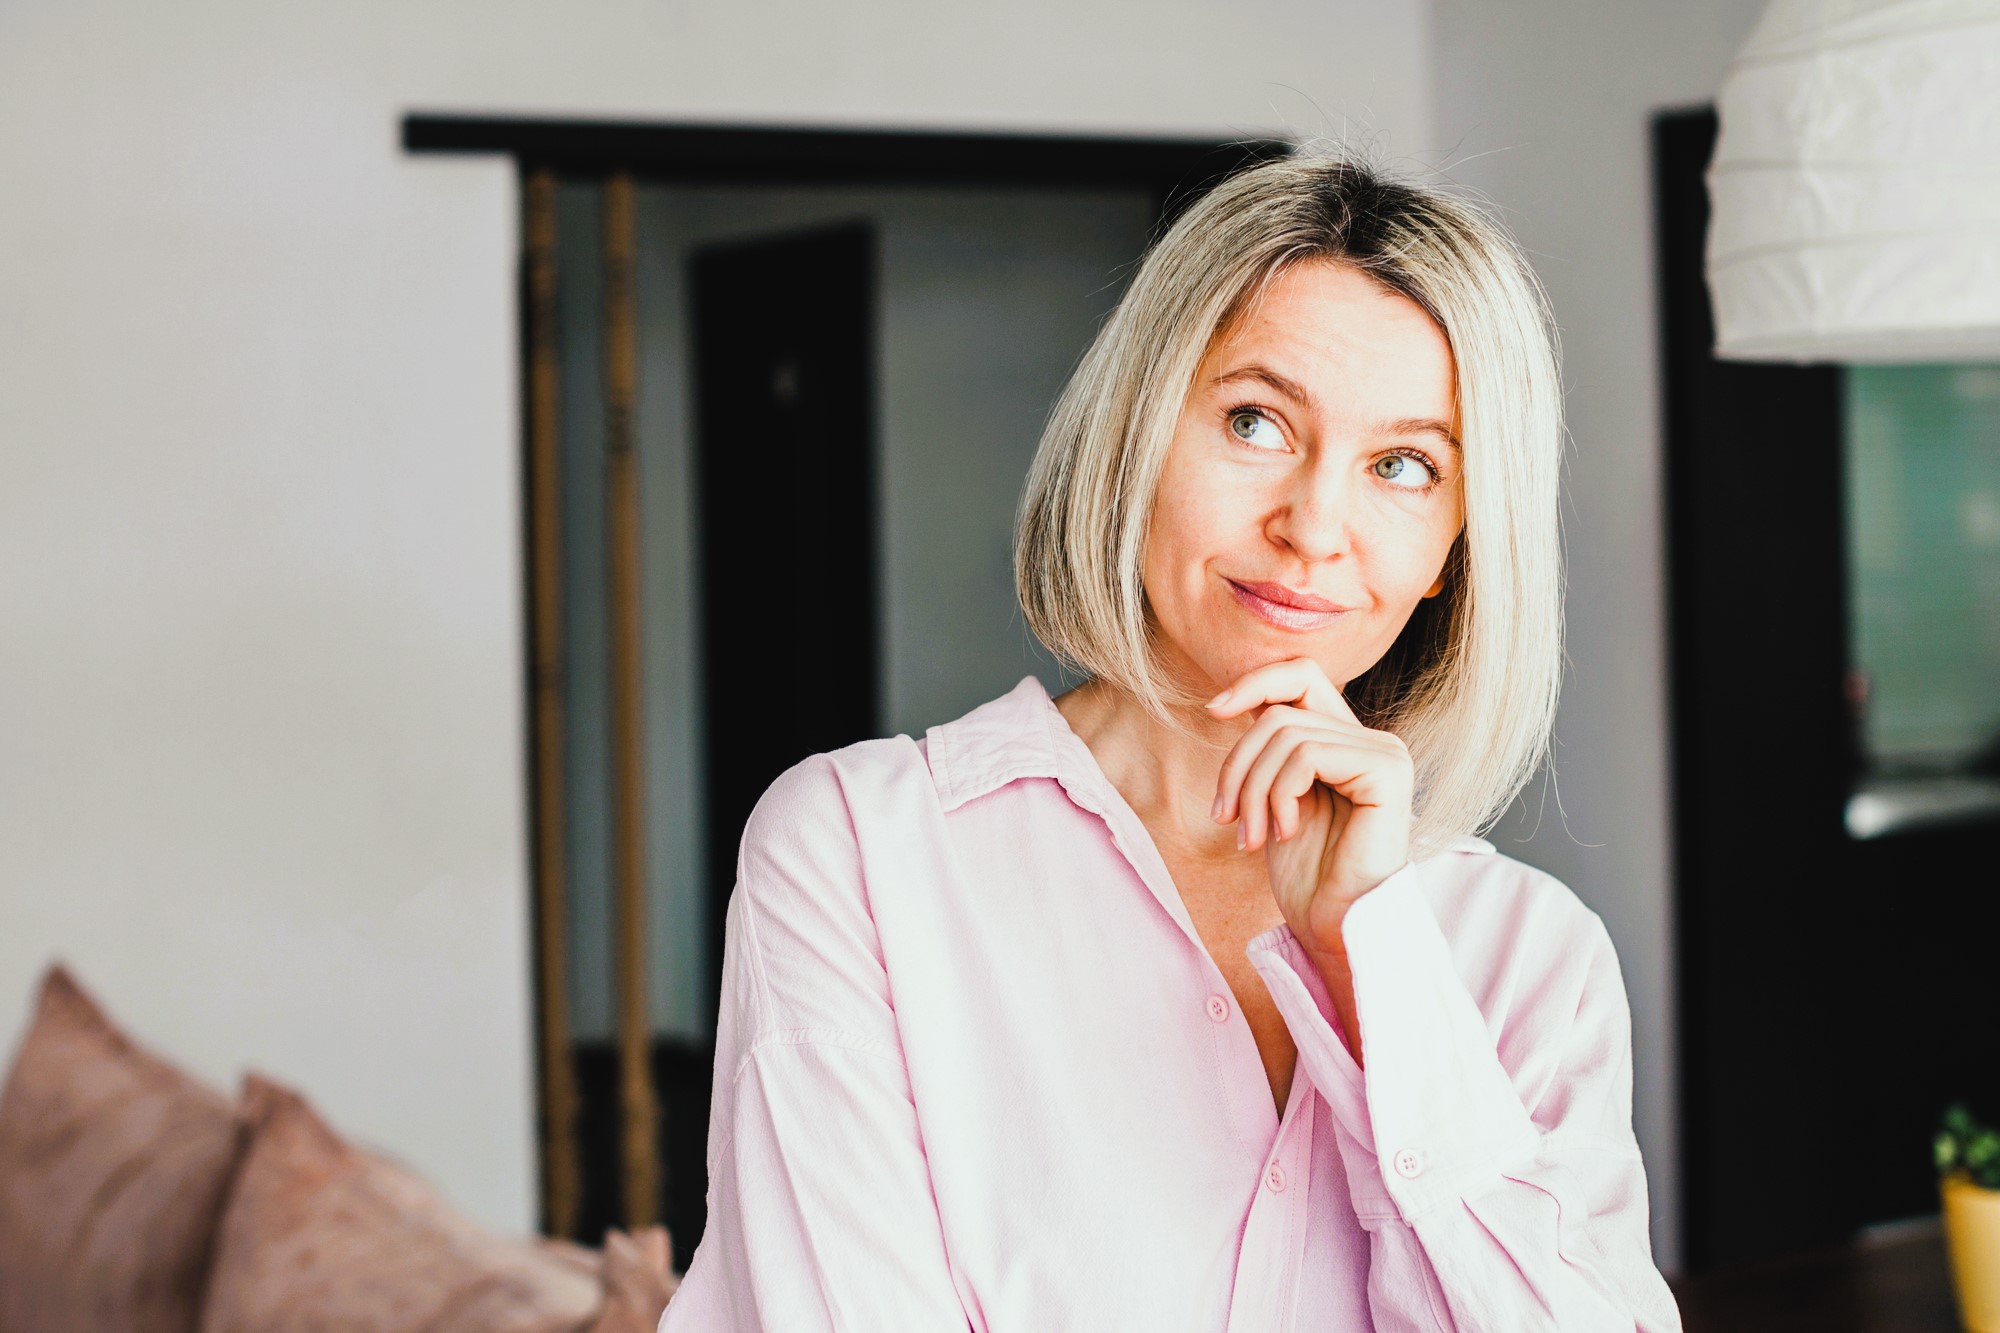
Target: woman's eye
1254 428
1402 470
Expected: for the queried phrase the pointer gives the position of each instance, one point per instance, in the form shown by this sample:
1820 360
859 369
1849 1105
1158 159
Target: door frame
1173 171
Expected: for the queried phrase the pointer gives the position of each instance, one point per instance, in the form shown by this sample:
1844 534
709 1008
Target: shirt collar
999 742
1022 734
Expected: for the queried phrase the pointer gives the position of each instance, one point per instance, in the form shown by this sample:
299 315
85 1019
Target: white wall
1545 108
261 672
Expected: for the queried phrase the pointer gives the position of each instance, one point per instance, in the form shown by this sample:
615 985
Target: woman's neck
1167 774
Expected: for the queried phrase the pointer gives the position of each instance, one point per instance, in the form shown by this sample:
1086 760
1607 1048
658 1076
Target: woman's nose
1312 516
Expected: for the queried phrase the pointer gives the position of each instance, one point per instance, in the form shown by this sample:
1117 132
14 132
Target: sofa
135 1199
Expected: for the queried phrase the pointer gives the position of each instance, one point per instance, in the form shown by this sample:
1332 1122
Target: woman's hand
1325 797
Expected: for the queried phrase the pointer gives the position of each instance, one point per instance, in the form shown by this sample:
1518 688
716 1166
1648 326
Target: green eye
1407 472
1256 429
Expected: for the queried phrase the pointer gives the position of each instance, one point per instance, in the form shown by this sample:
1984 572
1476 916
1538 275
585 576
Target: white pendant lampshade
1855 188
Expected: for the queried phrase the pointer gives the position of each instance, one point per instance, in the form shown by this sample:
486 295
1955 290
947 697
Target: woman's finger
1293 760
1296 680
1310 765
1250 744
1247 747
1365 767
1284 806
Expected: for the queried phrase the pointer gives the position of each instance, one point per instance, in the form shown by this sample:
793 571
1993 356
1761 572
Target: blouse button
1409 1163
1275 1178
1218 1008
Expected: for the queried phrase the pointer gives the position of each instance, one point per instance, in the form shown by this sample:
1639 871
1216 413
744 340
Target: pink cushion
324 1236
638 1281
113 1171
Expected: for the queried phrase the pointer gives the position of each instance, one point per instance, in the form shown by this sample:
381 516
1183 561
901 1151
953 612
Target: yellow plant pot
1972 1230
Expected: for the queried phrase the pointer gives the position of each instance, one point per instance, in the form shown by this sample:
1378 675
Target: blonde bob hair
1470 683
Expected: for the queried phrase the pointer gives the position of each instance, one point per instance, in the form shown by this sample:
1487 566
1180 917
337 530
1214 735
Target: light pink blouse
975 1069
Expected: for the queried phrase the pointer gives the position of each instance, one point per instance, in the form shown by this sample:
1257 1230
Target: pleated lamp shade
1855 188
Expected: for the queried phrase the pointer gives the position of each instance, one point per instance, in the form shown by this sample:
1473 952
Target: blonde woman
1191 999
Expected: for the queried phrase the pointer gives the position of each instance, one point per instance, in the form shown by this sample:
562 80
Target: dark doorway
784 394
1828 1010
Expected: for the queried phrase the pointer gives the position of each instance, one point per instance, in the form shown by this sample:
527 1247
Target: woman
1191 999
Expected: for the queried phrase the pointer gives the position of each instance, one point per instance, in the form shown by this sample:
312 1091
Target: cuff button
1409 1164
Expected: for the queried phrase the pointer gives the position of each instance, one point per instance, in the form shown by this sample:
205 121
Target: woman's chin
1225 668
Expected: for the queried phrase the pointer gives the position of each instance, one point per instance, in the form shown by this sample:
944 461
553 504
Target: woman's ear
1457 546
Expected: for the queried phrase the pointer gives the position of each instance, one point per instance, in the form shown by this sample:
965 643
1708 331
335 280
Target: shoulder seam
837 1038
754 949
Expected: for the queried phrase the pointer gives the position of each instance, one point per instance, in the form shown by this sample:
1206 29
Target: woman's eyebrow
1284 384
1422 426
1298 392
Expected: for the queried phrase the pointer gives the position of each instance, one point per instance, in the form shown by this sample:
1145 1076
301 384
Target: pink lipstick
1285 608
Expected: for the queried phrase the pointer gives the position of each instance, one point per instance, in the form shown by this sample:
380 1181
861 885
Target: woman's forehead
1326 336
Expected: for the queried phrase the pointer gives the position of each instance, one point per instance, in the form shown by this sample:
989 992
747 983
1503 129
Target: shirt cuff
1435 1116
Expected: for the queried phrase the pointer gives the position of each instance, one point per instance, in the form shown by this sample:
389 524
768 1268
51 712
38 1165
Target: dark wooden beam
1172 169
561 1184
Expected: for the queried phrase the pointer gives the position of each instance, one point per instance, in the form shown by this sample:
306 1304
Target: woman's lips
1280 606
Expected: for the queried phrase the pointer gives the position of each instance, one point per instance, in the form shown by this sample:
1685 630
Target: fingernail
1215 811
1242 836
1217 701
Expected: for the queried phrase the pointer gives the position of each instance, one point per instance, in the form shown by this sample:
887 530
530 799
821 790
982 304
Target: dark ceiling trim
714 154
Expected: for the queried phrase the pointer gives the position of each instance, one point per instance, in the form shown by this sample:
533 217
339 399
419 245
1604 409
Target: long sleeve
1489 1155
821 1213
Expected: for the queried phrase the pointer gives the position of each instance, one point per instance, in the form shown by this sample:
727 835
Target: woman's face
1312 491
